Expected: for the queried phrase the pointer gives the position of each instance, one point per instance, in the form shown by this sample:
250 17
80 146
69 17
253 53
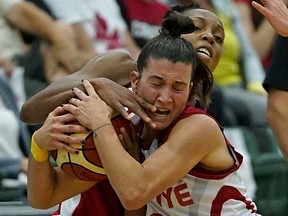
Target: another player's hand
131 145
54 133
276 13
119 97
89 109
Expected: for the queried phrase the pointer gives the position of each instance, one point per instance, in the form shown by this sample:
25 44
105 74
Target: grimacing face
162 85
208 37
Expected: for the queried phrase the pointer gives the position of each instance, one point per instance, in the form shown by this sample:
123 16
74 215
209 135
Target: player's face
208 37
166 85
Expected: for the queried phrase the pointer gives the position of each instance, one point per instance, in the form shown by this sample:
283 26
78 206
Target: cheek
147 93
190 38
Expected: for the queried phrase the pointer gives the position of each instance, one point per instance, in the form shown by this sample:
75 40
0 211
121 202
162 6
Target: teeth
205 51
162 111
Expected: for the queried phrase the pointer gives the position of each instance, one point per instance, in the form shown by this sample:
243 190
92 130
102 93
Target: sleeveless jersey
201 191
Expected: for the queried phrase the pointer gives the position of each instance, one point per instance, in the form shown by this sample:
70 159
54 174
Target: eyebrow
177 81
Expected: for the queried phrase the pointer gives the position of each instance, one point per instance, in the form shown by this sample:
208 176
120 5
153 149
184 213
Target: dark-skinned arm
114 66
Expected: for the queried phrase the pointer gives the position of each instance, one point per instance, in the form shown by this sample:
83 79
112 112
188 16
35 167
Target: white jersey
201 191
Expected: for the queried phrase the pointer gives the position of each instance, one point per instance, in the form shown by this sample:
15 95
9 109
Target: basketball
87 165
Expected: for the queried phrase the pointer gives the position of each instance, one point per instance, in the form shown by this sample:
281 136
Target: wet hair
169 45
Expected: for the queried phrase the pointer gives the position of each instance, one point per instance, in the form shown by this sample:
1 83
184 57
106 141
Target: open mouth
162 112
204 51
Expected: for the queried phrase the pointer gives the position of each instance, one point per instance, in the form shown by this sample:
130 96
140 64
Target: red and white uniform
99 200
201 192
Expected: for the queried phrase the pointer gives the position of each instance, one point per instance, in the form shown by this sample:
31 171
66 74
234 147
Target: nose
165 96
207 36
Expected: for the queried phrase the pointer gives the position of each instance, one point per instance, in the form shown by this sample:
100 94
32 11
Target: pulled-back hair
169 45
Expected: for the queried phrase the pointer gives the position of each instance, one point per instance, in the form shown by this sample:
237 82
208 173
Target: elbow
39 200
132 200
26 116
37 204
22 115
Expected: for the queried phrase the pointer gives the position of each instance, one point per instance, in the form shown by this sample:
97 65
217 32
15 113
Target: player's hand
276 13
119 97
54 133
131 145
89 109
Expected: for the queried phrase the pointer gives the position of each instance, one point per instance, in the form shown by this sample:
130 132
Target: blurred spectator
259 30
143 18
16 16
102 21
14 136
41 66
176 2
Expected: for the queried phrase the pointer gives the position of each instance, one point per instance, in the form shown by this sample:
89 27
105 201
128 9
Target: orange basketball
87 165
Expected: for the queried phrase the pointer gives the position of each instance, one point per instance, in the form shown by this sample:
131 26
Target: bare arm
116 66
27 17
48 186
84 42
276 13
153 176
278 117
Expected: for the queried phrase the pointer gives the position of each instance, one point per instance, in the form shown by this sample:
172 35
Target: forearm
29 18
36 109
40 183
278 118
48 186
40 186
131 191
115 66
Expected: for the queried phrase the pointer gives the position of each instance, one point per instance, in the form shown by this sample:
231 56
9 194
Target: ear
134 78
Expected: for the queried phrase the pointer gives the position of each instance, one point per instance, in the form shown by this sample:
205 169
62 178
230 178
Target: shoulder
198 129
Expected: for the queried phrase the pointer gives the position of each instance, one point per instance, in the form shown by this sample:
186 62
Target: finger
74 128
79 93
121 109
259 7
145 105
58 111
126 138
122 141
69 108
74 101
89 88
68 148
65 139
140 112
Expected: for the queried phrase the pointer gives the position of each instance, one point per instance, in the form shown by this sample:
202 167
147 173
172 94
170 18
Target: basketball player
168 75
